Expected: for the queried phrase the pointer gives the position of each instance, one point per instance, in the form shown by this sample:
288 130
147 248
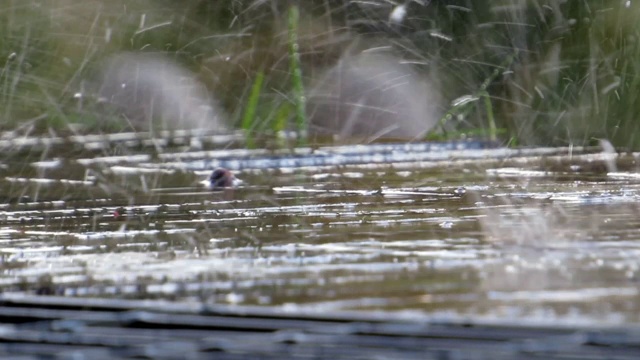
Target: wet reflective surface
542 235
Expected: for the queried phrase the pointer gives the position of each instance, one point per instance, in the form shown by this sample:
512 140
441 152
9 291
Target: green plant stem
493 136
249 118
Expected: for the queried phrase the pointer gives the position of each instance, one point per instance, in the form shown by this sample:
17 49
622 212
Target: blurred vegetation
573 79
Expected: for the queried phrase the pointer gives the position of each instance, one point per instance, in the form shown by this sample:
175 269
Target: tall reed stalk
299 98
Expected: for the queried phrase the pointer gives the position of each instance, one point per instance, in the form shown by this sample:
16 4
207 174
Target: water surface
451 231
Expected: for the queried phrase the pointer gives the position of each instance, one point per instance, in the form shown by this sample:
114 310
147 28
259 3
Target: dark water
539 235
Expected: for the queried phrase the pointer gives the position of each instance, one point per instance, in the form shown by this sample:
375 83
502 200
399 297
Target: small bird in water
222 178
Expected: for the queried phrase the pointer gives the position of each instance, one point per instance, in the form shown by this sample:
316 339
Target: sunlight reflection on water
527 236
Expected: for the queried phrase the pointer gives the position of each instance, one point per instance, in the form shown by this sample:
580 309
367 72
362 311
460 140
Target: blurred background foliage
573 77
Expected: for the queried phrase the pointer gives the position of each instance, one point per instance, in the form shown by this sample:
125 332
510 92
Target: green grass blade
249 118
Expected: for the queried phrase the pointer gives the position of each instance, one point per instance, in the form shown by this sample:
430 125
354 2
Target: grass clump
551 73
